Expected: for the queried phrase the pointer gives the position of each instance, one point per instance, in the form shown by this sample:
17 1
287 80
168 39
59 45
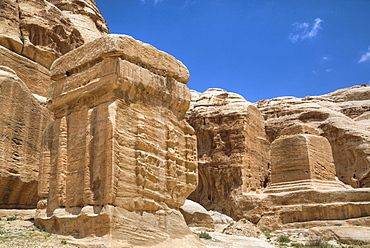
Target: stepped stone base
118 225
310 184
307 208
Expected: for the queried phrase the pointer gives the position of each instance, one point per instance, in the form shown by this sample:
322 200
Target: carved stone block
120 155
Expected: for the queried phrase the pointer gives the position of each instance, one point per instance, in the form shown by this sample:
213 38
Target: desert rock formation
319 152
44 30
32 35
112 155
120 158
342 117
233 151
21 128
301 159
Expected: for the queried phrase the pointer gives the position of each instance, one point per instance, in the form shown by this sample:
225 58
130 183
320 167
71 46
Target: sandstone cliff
319 149
44 30
118 159
233 151
22 121
342 117
32 35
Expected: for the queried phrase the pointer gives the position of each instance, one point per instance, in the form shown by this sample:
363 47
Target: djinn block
119 159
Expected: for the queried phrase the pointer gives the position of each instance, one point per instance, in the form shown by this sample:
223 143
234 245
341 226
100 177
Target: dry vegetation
20 231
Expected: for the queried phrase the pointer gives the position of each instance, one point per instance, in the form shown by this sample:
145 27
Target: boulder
196 215
219 218
244 228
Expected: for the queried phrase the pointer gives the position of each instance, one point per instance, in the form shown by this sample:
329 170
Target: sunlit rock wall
22 122
233 151
120 158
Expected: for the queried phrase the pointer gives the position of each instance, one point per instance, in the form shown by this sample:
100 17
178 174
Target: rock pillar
300 159
119 159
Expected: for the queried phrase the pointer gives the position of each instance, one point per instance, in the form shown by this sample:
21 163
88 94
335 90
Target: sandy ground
20 231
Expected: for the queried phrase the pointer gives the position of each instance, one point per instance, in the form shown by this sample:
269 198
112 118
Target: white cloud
325 58
365 57
304 30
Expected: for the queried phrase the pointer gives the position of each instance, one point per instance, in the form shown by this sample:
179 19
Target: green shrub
360 244
204 235
283 239
231 224
11 218
298 245
325 245
267 233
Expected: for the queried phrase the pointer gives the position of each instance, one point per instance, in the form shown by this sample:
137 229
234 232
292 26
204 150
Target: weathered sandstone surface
119 159
342 117
22 123
85 16
44 30
32 35
196 215
301 159
319 151
233 151
34 76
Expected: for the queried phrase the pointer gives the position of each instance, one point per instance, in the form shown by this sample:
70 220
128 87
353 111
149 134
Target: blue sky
260 49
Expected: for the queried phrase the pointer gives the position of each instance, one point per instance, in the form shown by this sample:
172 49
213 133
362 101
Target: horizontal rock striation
341 117
119 159
42 32
21 127
233 152
319 152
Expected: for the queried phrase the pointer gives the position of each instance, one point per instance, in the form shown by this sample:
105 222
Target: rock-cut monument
119 159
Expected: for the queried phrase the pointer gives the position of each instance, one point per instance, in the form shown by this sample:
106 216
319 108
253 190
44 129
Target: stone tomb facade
301 159
119 159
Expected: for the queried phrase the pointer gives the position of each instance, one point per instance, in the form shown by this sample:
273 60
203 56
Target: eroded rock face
42 32
233 152
315 140
301 157
85 16
342 117
34 76
21 127
120 158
